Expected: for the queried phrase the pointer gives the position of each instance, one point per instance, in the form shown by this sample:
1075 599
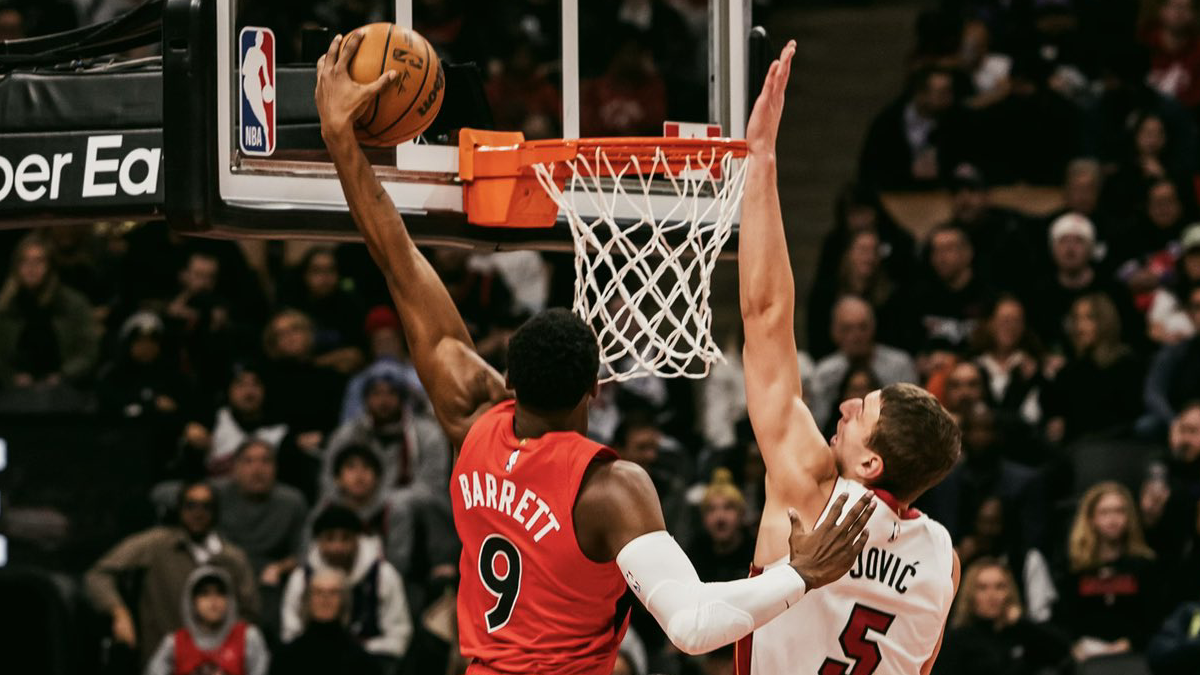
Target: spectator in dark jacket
1098 391
911 143
1175 649
326 646
336 313
989 634
1174 377
1109 595
47 334
142 382
165 557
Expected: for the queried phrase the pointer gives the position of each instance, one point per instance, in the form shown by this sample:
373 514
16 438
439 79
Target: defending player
887 616
553 526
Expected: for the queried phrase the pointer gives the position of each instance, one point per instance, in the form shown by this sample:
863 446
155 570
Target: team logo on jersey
256 130
512 460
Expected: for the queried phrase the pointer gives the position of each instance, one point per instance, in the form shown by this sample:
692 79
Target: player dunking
887 616
554 528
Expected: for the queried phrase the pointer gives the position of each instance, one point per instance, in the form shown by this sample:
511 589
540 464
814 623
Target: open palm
764 119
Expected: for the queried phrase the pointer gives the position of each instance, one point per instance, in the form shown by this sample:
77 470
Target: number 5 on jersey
857 646
500 572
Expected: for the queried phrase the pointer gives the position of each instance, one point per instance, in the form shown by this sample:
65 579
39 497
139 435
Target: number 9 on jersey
500 572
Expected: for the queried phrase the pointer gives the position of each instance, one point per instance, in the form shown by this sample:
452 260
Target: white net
642 282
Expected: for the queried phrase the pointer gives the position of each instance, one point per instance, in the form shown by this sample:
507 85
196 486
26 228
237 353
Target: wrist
336 134
805 581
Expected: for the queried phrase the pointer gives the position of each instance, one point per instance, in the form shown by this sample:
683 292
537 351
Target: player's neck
529 424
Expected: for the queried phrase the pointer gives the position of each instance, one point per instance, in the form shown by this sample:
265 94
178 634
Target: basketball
406 106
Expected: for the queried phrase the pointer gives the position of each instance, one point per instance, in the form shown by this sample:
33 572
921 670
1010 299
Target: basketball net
643 284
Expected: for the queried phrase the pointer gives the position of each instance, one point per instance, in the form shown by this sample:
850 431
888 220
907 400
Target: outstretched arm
460 384
618 516
797 458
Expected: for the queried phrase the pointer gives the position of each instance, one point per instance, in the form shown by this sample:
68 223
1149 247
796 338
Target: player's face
338 548
357 479
211 605
254 470
991 592
859 416
1110 518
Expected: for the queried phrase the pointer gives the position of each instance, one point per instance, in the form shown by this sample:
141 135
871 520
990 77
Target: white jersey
883 618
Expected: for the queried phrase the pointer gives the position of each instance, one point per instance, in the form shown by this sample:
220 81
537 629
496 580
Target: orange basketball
406 106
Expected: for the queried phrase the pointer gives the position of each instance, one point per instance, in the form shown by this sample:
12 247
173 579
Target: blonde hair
1083 545
722 487
964 604
1108 347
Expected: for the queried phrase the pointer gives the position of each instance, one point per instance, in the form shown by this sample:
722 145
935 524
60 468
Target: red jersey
229 657
529 601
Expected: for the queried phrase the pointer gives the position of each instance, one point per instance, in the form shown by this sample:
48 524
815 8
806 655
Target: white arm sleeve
700 617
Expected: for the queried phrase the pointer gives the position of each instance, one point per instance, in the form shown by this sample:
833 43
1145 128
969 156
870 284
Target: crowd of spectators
300 495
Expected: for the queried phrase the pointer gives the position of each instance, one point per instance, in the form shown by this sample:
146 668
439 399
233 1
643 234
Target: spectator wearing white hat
1073 274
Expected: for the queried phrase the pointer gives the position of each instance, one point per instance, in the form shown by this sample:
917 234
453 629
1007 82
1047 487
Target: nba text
501 495
886 568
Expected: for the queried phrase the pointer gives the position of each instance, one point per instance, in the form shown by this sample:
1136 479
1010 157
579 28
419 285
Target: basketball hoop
642 266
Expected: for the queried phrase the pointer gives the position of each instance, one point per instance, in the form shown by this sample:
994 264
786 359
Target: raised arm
795 453
618 516
459 382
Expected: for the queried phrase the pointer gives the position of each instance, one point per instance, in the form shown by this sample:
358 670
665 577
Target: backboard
246 158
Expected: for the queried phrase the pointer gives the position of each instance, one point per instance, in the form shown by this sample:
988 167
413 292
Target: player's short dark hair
553 361
917 439
336 517
356 451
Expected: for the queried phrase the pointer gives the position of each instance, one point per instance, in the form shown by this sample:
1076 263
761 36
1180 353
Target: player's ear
869 467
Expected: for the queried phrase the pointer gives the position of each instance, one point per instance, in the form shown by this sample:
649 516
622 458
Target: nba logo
256 134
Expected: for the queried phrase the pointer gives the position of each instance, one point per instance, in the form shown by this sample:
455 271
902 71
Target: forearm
700 617
425 307
764 272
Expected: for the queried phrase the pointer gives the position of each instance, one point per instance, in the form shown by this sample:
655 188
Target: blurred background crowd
236 426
